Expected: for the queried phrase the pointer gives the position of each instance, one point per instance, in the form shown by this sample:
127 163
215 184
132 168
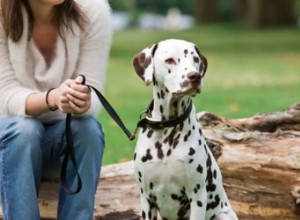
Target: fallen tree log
259 158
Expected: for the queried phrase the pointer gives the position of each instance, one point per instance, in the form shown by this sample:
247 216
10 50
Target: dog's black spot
196 60
143 215
200 131
193 127
169 71
176 141
199 203
142 191
161 109
147 157
174 196
195 190
200 142
140 174
151 185
213 204
166 90
192 151
160 153
215 174
150 133
185 52
152 202
134 156
197 187
200 169
191 160
158 95
170 138
178 60
213 217
210 187
205 147
169 152
162 94
187 135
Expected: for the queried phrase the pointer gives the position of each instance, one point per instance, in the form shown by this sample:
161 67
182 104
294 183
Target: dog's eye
170 61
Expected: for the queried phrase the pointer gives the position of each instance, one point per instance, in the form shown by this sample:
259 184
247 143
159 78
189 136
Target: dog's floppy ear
203 65
143 64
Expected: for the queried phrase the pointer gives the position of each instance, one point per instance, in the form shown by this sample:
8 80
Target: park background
252 47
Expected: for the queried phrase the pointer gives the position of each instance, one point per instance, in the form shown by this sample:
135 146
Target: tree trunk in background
240 9
206 11
270 12
259 158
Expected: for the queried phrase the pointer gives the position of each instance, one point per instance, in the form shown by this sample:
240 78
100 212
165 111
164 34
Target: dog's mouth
190 92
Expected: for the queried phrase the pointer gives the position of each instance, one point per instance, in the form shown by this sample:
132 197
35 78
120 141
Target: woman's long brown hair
12 19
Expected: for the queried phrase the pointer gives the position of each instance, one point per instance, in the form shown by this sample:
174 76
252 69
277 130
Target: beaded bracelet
49 107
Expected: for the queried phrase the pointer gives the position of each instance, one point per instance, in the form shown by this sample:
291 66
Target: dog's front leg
197 212
149 210
198 206
226 216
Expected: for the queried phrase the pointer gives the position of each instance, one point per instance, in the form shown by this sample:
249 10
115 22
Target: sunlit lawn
249 72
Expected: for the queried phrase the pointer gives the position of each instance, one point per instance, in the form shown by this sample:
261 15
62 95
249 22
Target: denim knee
23 132
88 130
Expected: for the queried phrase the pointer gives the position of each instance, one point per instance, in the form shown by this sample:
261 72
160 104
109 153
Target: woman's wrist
50 101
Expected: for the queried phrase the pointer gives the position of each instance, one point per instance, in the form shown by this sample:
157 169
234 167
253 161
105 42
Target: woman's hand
73 97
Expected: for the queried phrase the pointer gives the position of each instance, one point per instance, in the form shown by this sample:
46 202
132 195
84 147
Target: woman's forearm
36 103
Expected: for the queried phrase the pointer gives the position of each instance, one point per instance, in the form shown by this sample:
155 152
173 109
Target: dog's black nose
194 76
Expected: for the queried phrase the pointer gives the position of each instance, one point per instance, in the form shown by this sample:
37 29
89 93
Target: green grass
250 71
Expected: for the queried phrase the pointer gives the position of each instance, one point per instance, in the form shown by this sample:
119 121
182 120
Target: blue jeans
28 147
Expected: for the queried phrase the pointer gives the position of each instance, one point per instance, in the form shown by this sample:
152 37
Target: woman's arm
69 97
95 44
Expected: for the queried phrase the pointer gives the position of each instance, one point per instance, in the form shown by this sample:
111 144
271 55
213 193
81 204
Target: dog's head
177 65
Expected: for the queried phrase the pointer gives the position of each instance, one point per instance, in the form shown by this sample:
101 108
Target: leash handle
69 139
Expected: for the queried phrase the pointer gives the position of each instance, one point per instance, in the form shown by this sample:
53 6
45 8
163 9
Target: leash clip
133 134
144 113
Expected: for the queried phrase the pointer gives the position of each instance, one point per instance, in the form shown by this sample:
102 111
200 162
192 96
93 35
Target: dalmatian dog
176 171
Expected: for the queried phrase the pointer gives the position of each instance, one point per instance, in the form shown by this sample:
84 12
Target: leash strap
70 147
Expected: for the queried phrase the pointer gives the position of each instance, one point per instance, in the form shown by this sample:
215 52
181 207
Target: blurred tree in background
255 13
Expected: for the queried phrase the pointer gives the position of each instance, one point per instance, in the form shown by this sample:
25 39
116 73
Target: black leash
144 122
70 147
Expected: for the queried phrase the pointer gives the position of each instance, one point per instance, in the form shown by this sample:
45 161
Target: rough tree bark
259 158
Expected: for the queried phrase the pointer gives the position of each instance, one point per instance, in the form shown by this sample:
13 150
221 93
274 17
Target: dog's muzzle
192 84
